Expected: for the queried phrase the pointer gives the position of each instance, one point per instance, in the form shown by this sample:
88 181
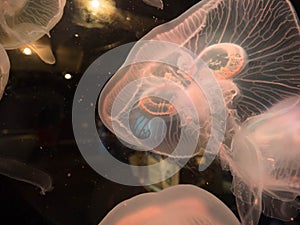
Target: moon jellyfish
155 3
251 48
20 171
181 204
264 161
254 44
4 70
26 21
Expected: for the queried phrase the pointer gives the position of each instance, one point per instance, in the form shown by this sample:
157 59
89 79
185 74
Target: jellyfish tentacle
155 3
22 172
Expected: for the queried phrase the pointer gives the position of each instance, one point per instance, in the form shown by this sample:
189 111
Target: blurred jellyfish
26 21
181 204
4 70
264 161
251 47
155 3
20 171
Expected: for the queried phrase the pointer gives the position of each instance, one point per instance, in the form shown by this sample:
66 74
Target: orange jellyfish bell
177 205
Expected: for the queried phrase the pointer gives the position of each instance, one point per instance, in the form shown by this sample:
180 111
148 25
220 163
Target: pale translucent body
155 3
264 161
26 21
4 70
252 47
22 172
177 205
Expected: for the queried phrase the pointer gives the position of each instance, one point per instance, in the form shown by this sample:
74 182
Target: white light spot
68 76
27 51
95 4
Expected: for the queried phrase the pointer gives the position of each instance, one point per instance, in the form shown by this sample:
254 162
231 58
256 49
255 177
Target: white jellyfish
26 21
264 161
22 172
4 70
177 205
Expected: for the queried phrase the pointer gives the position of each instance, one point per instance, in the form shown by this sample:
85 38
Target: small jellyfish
180 204
4 70
155 3
22 172
25 21
264 161
250 47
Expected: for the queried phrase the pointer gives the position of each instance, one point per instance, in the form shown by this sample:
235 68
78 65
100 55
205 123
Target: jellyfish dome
181 204
4 70
25 21
250 47
264 161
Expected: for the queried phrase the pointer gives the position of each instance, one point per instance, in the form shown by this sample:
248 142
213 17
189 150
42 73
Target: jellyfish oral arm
22 172
155 3
43 51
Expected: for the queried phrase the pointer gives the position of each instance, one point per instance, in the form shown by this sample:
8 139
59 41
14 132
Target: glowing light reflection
27 51
68 76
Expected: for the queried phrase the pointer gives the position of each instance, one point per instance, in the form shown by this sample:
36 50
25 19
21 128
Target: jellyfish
4 70
250 47
155 3
180 204
26 21
264 161
22 172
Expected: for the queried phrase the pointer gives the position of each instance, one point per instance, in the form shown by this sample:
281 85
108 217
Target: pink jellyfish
251 48
180 204
264 161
